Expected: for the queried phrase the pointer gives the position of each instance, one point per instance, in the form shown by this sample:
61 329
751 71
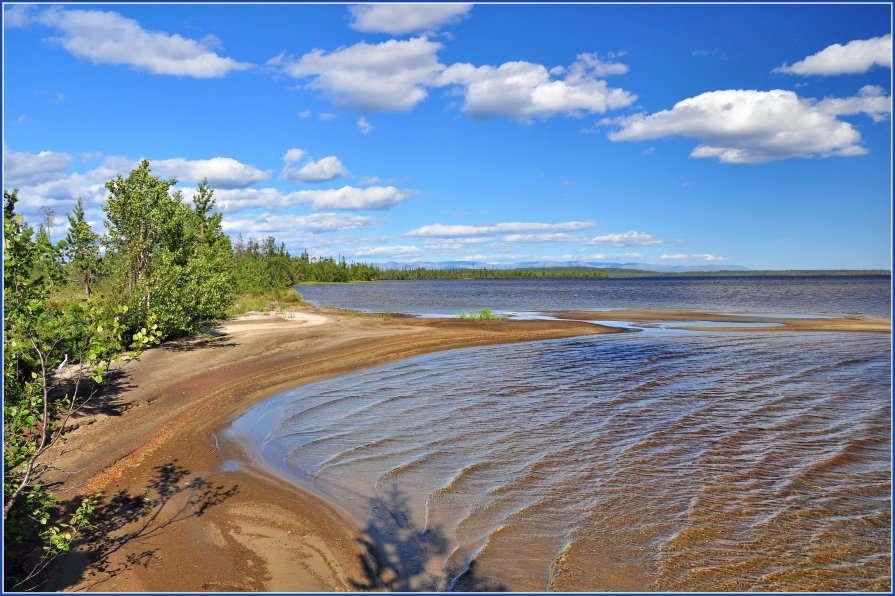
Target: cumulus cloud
524 91
103 37
279 225
21 168
327 168
293 155
387 77
56 187
745 126
692 257
387 251
458 231
364 125
347 198
398 19
871 100
854 57
632 238
221 172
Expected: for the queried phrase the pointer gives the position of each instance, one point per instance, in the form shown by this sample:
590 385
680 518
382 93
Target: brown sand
175 518
845 323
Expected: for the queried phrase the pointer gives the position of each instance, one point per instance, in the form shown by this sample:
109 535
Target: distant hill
626 269
556 264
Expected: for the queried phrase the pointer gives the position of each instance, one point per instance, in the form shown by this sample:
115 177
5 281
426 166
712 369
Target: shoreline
188 513
178 515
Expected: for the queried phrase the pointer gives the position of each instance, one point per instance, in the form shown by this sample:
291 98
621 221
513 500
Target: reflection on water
648 461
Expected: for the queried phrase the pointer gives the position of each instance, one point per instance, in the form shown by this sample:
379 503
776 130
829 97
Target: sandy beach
177 517
183 511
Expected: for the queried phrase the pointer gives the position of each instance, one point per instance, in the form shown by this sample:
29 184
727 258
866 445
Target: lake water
869 296
651 460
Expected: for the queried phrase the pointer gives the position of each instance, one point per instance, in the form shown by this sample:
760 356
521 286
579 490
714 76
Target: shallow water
864 295
656 460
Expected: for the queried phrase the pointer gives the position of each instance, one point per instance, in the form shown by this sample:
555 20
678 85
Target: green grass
483 315
273 301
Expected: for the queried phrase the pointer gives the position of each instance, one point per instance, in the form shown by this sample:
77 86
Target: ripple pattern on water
635 462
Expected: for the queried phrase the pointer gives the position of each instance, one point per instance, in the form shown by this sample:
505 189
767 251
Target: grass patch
483 315
276 300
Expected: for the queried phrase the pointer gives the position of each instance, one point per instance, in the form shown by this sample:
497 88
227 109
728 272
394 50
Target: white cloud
871 100
398 19
385 77
109 38
692 257
387 251
524 91
281 225
347 198
18 15
744 126
293 155
454 244
615 256
21 168
458 231
221 172
632 238
854 57
60 190
367 180
327 168
364 125
304 114
551 237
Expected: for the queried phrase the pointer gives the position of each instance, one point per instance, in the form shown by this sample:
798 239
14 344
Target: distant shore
191 514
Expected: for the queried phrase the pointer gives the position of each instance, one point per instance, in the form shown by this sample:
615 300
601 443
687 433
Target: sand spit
179 516
843 323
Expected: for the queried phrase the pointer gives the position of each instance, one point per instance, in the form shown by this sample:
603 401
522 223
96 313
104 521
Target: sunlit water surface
864 295
653 460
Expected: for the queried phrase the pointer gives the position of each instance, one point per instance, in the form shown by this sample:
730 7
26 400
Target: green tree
169 260
81 247
142 220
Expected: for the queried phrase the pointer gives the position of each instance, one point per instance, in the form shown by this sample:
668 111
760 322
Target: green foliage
167 260
81 247
483 315
40 334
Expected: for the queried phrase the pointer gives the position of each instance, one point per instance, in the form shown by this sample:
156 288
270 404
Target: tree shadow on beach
209 337
94 399
398 556
123 524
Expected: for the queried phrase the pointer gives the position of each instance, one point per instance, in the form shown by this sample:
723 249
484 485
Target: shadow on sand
402 557
125 523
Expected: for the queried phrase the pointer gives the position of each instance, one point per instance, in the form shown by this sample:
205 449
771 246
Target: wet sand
845 323
178 515
181 515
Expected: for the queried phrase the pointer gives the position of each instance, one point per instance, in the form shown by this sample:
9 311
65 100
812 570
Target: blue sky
752 135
